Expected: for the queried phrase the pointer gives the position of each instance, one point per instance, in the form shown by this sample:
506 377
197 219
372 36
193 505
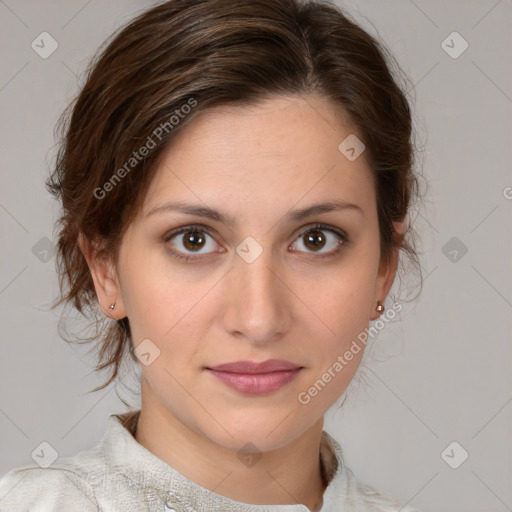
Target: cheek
342 299
342 306
175 316
155 294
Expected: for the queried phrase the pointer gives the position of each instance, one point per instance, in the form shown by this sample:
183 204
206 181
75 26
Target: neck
288 475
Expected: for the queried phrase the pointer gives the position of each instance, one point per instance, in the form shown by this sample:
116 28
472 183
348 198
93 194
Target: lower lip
256 383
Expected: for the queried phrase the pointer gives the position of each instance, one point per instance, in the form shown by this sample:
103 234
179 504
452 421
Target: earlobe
385 280
386 275
104 277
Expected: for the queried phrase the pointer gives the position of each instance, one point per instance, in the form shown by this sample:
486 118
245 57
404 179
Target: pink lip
256 378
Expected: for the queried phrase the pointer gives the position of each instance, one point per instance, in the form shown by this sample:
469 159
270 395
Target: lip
256 378
268 366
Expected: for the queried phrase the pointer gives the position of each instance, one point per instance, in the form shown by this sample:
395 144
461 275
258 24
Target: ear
386 274
104 277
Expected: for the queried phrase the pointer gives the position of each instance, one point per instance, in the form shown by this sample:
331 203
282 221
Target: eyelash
203 229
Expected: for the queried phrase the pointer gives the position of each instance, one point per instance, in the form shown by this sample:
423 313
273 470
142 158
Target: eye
321 239
190 240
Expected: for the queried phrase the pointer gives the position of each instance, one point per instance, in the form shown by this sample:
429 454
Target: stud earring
380 307
112 306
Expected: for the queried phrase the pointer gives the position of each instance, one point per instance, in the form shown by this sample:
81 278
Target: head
192 158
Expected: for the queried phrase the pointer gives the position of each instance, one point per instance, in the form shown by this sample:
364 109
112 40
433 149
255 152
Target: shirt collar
142 468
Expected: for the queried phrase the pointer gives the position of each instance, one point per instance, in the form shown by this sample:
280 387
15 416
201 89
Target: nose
257 301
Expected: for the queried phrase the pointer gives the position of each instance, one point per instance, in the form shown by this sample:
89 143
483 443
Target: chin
267 432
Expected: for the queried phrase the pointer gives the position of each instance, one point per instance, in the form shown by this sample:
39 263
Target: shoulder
69 483
346 492
52 489
89 481
368 499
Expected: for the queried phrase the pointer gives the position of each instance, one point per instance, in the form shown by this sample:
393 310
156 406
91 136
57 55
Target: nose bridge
258 305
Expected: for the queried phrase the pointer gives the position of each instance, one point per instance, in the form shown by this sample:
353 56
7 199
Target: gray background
441 374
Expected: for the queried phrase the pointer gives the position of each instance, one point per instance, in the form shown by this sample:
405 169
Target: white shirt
120 475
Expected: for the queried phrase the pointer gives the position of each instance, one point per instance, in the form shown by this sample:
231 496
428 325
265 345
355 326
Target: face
228 261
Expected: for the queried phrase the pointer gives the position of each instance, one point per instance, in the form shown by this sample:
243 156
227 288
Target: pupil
316 239
193 240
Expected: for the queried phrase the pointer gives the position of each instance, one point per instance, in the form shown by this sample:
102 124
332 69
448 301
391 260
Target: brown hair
205 53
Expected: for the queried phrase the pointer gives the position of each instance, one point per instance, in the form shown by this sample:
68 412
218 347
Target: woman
235 179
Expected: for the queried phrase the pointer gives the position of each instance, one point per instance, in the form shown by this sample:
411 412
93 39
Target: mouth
256 378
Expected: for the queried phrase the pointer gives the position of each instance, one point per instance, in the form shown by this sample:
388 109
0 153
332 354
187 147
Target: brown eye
314 240
321 239
193 240
188 240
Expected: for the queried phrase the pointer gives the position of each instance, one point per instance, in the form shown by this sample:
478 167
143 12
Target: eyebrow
219 216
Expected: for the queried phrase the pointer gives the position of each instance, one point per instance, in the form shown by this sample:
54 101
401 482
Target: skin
255 164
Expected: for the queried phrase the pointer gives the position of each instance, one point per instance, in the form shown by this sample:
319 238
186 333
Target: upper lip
270 365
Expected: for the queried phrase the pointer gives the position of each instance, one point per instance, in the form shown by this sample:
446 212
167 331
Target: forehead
281 149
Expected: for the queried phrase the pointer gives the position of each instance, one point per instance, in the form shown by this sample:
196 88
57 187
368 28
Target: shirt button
169 507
